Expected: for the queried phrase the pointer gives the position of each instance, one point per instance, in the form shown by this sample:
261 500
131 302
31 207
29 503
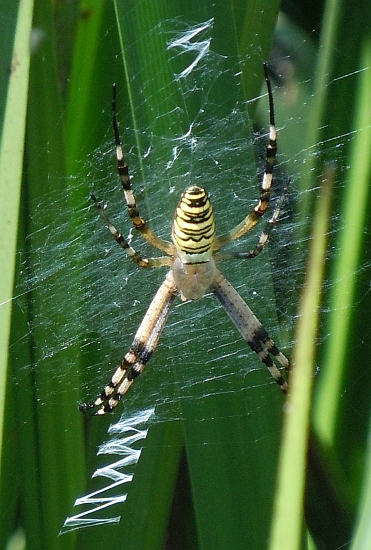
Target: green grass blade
342 126
291 480
362 530
15 54
58 433
349 245
81 112
11 159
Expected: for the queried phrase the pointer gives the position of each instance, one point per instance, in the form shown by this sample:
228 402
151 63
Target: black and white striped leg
263 239
141 350
120 239
271 151
250 328
139 223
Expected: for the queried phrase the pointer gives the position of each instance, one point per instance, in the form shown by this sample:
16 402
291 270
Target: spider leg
139 223
263 239
250 328
141 350
254 216
135 256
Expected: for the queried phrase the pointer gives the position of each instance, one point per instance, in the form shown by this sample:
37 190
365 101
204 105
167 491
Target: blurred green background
70 302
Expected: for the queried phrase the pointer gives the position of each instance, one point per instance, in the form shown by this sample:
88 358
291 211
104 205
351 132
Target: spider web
215 152
200 354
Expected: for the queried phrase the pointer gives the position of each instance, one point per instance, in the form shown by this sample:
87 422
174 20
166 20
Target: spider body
194 227
193 236
192 257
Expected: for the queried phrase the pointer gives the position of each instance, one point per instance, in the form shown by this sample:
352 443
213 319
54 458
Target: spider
191 257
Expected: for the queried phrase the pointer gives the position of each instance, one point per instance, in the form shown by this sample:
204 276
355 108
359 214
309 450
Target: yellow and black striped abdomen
193 226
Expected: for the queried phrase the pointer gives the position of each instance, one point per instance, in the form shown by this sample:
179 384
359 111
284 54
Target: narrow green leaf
11 163
349 247
291 480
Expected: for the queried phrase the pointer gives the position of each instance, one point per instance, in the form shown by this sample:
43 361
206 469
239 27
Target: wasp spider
191 257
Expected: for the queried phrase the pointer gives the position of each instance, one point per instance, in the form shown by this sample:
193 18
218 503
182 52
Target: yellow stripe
194 227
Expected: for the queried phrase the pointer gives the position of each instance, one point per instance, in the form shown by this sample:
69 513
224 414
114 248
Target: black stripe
195 219
201 250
